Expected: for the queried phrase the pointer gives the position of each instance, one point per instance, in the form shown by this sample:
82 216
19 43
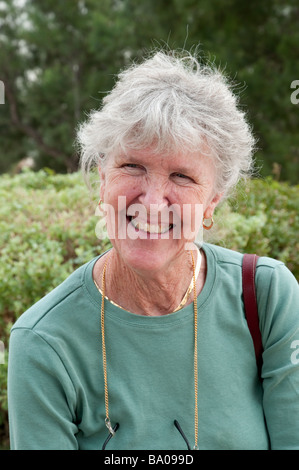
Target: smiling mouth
149 228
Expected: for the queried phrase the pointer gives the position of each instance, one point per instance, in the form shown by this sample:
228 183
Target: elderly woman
147 346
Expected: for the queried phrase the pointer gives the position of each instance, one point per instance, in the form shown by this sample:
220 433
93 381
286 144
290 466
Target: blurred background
57 62
58 59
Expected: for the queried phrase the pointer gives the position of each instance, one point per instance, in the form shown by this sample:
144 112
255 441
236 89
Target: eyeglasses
176 423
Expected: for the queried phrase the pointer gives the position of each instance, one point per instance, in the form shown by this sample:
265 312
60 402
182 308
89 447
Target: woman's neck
151 294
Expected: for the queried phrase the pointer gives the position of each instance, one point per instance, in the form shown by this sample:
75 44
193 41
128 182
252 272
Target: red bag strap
250 303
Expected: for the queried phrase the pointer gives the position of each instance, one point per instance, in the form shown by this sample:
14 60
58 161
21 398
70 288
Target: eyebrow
128 157
184 170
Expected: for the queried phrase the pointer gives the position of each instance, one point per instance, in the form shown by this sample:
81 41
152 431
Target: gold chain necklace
107 418
187 293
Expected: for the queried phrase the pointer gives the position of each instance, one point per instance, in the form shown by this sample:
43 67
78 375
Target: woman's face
155 204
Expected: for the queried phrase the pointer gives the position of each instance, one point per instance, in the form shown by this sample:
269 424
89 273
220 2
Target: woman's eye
133 167
181 176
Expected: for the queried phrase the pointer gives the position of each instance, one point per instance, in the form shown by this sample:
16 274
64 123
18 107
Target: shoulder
268 270
225 255
62 297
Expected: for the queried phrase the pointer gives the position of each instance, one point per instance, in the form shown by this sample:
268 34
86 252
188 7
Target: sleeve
41 396
280 373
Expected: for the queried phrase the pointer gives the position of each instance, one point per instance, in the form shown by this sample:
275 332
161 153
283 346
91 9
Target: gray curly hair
171 103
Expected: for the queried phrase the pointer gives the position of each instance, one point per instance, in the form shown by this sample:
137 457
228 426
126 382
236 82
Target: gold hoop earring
208 227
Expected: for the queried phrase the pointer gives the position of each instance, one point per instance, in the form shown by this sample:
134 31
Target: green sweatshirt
56 385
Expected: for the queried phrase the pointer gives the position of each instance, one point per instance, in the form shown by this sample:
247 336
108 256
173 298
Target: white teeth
150 228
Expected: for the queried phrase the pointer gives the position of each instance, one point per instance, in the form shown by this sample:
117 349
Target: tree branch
30 131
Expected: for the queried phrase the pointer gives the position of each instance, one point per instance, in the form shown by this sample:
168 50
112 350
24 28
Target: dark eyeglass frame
176 423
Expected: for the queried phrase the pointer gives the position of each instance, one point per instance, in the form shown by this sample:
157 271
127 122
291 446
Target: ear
209 210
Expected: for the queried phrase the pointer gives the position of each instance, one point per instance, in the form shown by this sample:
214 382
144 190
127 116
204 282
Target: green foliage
58 59
47 229
262 218
46 220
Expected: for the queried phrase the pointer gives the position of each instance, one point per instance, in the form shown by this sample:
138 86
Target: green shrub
262 218
47 229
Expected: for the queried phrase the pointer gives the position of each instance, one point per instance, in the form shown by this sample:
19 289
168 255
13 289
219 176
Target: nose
154 195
